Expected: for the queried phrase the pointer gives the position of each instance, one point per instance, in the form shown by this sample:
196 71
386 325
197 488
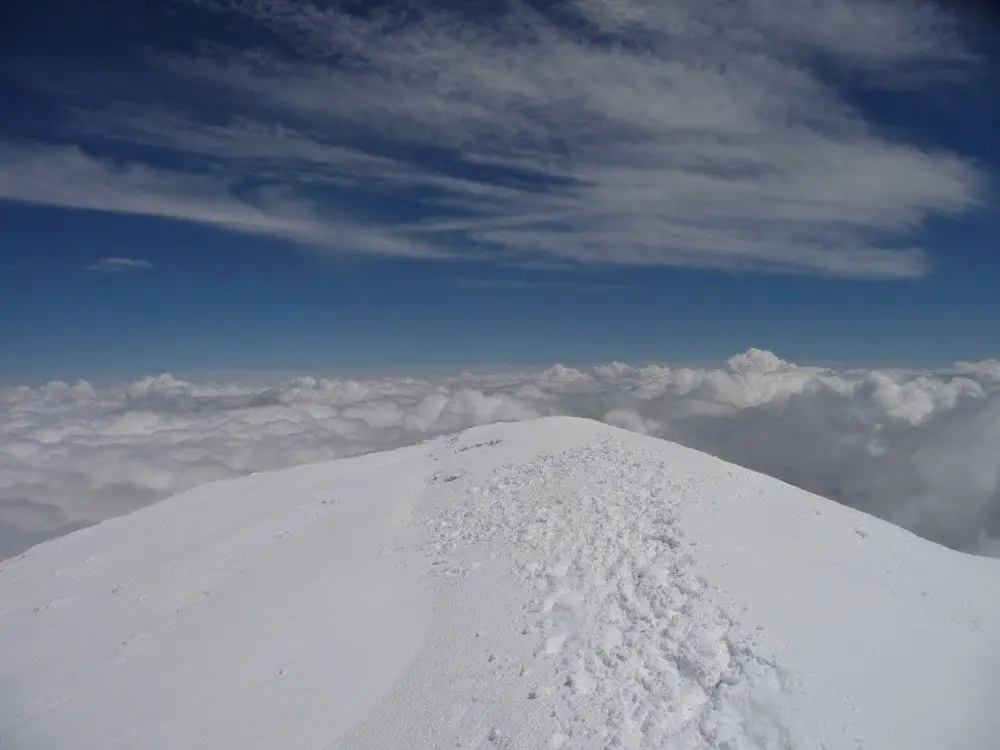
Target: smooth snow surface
547 584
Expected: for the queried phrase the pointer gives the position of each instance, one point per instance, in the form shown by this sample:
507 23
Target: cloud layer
921 449
629 132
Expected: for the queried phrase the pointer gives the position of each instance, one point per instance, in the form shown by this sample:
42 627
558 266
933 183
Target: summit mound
548 584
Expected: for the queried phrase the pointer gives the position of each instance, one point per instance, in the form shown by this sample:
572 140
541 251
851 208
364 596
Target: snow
555 583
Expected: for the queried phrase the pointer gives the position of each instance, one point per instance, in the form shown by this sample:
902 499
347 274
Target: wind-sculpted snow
921 449
550 584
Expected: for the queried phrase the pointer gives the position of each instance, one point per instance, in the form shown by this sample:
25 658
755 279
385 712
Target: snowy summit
555 583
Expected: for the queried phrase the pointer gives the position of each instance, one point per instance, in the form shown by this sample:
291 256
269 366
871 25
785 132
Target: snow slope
546 584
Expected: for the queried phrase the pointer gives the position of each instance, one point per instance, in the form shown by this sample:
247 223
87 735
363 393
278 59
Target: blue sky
266 186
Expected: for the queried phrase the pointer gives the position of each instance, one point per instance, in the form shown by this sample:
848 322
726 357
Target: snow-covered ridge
552 583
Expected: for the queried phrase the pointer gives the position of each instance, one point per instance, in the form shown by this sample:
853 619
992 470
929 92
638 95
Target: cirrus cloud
624 132
119 265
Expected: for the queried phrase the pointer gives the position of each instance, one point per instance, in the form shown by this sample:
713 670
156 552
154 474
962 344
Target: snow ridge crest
632 649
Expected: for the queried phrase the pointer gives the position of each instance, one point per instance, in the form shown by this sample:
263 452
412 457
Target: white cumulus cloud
921 449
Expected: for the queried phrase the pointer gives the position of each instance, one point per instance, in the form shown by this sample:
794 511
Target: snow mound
548 584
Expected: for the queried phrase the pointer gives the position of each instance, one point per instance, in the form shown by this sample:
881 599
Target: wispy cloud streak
119 265
641 133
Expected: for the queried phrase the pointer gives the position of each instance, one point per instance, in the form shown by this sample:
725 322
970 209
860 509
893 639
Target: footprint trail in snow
629 648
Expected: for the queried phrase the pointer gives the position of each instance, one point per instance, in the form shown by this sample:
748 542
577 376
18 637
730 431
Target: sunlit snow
554 583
